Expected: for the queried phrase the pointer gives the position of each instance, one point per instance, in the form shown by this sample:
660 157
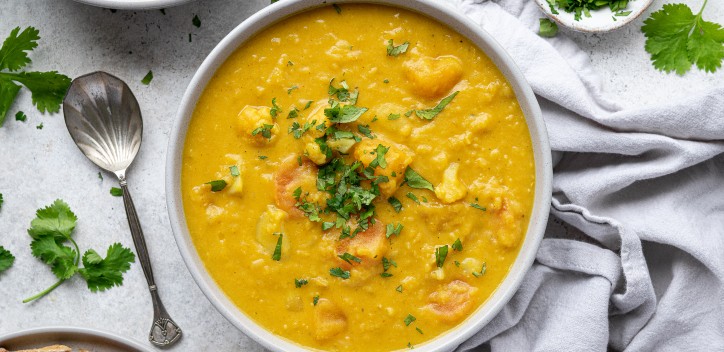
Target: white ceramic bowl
133 4
442 13
601 20
74 337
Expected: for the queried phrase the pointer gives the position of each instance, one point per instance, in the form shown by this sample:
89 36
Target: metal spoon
104 120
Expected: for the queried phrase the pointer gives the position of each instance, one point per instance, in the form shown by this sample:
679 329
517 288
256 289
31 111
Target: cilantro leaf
13 54
395 203
676 38
457 245
196 21
47 88
393 229
409 319
56 221
338 272
347 257
8 92
217 185
429 114
344 114
547 28
61 258
414 180
379 160
277 255
104 273
300 282
1 200
440 255
147 78
20 116
393 50
116 192
6 259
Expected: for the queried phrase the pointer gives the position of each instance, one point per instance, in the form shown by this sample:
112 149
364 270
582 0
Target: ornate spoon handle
164 331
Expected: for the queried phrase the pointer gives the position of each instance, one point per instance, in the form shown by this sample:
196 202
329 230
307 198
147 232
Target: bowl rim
133 4
74 331
443 13
564 19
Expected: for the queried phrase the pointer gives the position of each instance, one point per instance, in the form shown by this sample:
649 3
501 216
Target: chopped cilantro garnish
99 176
344 114
217 185
116 192
337 8
399 289
343 93
20 116
457 263
40 126
297 193
457 245
429 114
385 275
196 21
147 78
547 28
440 255
290 90
315 300
290 63
300 282
365 130
409 319
393 50
264 129
393 116
347 257
298 130
293 113
277 255
388 263
482 270
309 103
419 330
275 110
477 206
6 259
379 160
338 272
234 170
413 197
262 157
386 81
395 203
393 229
414 180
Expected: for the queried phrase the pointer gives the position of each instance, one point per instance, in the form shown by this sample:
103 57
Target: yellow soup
372 213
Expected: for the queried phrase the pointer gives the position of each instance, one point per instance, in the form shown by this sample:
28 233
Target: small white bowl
601 20
441 12
133 4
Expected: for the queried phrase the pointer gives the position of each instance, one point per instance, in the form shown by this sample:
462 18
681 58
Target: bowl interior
443 13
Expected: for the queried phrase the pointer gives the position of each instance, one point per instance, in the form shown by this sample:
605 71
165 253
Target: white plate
601 20
89 339
133 4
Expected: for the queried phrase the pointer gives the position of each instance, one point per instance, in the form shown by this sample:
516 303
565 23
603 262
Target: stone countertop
34 163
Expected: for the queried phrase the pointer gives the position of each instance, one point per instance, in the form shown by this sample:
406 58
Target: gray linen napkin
634 256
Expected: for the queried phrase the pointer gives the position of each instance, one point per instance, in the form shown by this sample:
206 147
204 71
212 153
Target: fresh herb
623 13
337 8
393 117
409 319
388 263
6 259
51 230
347 257
1 199
547 28
581 7
309 103
386 81
379 159
413 197
196 21
395 203
20 116
277 255
419 330
477 206
315 300
147 78
275 110
440 255
293 113
234 170
217 185
273 1
409 345
290 90
399 288
163 11
482 271
300 282
290 63
263 157
393 229
116 192
457 245
365 130
676 39
40 126
47 88
344 114
429 114
414 180
100 176
338 272
343 94
264 129
457 263
393 50
385 275
298 130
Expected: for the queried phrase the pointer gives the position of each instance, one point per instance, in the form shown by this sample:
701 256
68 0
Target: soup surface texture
372 213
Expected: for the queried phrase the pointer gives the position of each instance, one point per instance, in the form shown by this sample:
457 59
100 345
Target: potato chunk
291 176
451 302
329 320
269 226
250 119
451 189
398 157
433 77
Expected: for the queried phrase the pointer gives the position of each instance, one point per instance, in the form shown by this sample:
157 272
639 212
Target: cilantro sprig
51 231
677 38
6 259
47 88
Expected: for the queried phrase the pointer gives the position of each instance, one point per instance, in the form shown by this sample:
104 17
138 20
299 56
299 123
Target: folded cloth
633 257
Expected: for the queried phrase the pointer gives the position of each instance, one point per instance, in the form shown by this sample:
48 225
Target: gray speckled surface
38 166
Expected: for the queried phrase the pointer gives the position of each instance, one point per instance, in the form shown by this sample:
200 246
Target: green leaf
47 88
478 206
705 46
277 255
275 110
457 245
395 203
116 192
147 78
409 319
547 28
393 229
8 92
196 21
440 255
217 185
338 272
234 170
13 54
101 274
56 221
1 200
347 257
6 259
345 114
300 282
379 160
20 116
393 50
62 259
429 114
414 180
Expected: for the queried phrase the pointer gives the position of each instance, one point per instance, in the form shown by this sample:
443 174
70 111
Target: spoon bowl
104 120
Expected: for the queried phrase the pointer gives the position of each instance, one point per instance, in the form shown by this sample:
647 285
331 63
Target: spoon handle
164 331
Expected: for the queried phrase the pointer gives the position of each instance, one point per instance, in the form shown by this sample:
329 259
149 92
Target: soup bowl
442 13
